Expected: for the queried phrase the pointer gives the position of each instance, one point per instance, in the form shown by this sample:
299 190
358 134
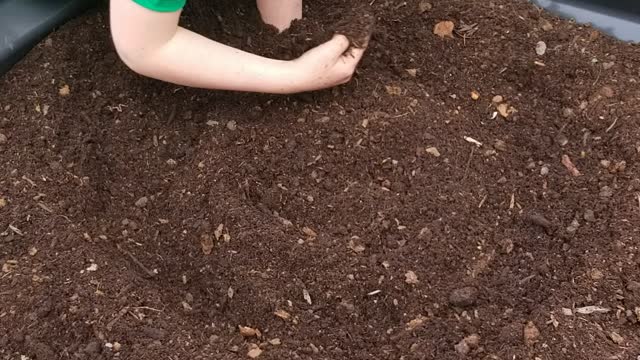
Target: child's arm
152 44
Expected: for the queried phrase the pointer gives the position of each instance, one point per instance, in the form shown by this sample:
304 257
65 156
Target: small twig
45 208
597 77
638 195
466 170
525 280
147 308
482 201
121 313
172 114
86 117
137 262
16 230
612 125
33 183
124 290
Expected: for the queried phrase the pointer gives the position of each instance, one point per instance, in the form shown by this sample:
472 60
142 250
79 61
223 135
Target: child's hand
327 65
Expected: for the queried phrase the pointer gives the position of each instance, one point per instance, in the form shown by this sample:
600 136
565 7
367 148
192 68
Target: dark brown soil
361 222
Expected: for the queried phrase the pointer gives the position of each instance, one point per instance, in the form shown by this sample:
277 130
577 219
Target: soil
391 218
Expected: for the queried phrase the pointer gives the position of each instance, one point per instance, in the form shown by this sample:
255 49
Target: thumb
336 46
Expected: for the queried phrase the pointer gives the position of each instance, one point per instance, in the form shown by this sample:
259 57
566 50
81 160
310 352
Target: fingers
355 55
338 44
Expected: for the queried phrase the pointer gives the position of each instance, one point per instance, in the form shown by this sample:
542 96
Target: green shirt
162 5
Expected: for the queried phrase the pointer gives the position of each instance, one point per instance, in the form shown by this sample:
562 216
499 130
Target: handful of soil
357 26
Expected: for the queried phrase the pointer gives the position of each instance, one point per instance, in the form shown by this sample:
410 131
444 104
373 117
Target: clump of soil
463 195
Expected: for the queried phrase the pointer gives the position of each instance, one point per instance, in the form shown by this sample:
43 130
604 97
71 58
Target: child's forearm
192 60
152 44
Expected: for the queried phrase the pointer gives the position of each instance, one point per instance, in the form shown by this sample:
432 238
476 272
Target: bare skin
154 45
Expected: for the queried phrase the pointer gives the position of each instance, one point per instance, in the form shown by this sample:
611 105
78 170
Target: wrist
288 77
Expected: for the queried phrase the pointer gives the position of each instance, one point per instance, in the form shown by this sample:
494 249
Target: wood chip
309 232
254 351
444 29
393 90
307 296
206 241
473 141
282 314
219 231
356 246
433 151
416 323
573 170
411 278
531 334
64 91
587 310
412 72
616 338
249 332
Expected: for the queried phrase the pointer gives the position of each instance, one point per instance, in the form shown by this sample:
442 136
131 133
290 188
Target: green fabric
162 5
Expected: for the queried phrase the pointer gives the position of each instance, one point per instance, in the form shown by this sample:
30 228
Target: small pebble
606 192
539 220
541 48
213 339
117 346
634 286
232 125
567 112
142 202
573 227
3 139
92 348
545 24
500 145
464 297
544 171
561 140
607 91
589 216
462 347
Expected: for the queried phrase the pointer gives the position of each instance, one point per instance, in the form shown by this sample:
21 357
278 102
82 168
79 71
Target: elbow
136 59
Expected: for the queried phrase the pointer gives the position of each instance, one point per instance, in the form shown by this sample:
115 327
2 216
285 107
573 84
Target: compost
473 191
